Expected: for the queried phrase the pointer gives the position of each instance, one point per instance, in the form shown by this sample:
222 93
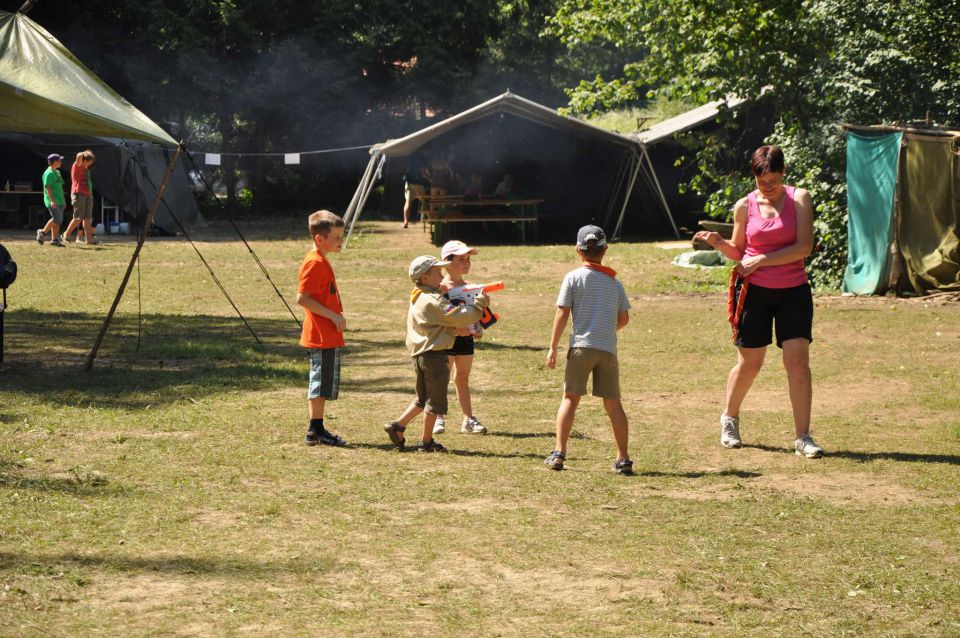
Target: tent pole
663 198
622 172
366 195
361 187
26 6
628 193
136 252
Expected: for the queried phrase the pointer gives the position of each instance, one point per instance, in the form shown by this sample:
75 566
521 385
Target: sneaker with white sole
472 426
80 240
730 431
440 426
806 446
41 237
57 242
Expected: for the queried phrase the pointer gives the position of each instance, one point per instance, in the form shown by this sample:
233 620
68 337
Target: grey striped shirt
595 300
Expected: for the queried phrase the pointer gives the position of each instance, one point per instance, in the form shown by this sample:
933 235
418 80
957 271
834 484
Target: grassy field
168 492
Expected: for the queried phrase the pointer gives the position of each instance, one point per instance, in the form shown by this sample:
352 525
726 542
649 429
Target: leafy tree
821 62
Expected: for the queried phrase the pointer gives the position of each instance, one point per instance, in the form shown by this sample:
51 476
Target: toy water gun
467 294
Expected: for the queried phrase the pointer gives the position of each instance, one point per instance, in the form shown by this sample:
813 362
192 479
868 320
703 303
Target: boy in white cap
460 356
598 303
431 324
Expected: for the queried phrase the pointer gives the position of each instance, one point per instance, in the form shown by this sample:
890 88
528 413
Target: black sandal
395 431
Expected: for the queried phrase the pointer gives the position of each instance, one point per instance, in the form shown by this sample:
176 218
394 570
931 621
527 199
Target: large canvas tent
583 172
903 189
50 102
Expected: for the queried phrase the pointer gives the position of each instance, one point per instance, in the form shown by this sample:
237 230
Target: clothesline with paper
215 159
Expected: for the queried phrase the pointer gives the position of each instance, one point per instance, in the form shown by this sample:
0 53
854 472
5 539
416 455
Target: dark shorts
790 309
461 346
433 377
324 373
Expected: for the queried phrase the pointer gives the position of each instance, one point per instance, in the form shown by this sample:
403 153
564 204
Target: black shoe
555 460
430 446
624 467
324 437
395 431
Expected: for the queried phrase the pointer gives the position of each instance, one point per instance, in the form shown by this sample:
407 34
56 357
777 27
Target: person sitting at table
440 174
505 188
474 188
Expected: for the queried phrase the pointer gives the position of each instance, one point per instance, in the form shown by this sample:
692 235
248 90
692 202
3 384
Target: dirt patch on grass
847 487
472 506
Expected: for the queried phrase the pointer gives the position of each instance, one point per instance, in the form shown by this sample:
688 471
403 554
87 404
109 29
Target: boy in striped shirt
598 303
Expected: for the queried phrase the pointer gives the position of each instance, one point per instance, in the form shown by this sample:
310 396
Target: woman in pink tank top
772 234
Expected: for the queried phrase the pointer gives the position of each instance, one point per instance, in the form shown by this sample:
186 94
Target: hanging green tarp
44 89
871 184
930 212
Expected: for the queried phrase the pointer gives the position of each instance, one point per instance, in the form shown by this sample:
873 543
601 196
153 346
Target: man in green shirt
53 200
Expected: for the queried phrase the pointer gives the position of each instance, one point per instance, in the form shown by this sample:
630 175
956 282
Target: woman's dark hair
767 159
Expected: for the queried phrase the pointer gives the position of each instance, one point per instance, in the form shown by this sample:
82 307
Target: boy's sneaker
805 446
94 242
555 460
430 446
40 236
395 431
81 240
324 437
730 431
440 426
57 242
624 467
472 426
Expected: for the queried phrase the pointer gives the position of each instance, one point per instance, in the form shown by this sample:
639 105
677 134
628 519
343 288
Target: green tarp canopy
903 188
871 184
44 89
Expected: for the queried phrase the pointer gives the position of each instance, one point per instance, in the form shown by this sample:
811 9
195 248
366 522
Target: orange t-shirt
316 279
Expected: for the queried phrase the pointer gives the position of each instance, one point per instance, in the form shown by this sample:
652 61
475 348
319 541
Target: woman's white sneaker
472 426
806 446
440 426
730 431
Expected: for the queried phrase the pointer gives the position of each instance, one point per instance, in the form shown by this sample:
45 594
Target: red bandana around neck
610 272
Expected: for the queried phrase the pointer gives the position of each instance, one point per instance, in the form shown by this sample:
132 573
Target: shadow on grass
180 356
181 565
868 457
490 345
77 485
695 475
412 449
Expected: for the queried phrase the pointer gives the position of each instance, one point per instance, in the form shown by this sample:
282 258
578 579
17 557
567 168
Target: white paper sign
291 158
213 159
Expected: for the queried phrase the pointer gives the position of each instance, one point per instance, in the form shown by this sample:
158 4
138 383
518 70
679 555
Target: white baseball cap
456 247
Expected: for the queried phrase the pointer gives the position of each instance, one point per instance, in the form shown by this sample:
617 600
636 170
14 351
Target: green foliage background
820 63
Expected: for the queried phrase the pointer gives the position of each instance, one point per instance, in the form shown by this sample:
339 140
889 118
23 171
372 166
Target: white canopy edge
685 121
506 103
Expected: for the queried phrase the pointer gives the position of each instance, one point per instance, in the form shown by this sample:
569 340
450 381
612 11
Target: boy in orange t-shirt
323 323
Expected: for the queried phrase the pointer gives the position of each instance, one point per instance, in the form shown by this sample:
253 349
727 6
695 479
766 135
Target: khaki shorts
82 206
433 377
604 366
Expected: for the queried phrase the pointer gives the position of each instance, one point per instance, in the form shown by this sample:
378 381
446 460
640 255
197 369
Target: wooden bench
437 212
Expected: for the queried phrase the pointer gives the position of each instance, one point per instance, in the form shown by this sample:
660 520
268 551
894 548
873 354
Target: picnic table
437 212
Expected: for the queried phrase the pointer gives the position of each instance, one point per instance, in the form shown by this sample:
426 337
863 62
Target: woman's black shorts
791 309
461 346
